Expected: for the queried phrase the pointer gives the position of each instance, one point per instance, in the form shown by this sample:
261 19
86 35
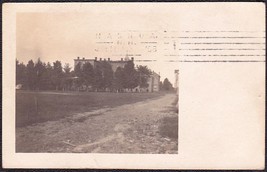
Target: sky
103 34
152 33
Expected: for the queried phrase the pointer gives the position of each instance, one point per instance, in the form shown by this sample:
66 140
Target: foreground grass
169 125
34 107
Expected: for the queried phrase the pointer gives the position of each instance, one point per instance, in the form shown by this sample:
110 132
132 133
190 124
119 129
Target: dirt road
132 128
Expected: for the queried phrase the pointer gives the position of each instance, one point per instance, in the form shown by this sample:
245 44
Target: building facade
153 80
114 64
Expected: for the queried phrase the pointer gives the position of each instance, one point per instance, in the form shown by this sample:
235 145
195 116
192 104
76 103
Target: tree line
47 76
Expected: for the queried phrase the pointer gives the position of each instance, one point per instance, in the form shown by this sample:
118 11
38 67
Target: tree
98 77
88 75
57 74
167 85
40 74
21 75
107 75
31 75
66 80
46 77
118 79
130 79
67 69
78 70
143 73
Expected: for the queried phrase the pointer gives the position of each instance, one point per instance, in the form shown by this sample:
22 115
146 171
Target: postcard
134 85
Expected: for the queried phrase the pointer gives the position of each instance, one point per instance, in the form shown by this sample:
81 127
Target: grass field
169 125
34 107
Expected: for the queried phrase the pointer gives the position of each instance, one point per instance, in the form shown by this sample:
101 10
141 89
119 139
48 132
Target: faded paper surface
221 60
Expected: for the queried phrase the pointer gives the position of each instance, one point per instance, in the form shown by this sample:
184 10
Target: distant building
114 64
83 61
153 80
153 84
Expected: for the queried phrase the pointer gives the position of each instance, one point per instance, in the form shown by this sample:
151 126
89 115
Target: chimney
78 58
95 58
121 59
132 59
104 59
83 58
100 59
108 59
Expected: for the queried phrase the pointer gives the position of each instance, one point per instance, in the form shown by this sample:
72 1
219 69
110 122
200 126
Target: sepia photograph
94 90
134 85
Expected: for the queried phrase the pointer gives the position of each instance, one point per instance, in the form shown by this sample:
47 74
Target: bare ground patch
131 128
